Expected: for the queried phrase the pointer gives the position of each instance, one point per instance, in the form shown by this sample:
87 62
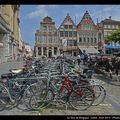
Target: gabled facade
68 32
88 34
46 39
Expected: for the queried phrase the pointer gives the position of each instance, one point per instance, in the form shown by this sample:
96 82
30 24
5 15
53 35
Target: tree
100 44
115 37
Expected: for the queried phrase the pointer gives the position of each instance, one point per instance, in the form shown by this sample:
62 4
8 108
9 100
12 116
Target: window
70 26
61 33
55 39
70 34
66 33
55 50
70 43
44 28
116 26
113 26
95 40
91 40
49 28
66 26
60 42
75 42
105 26
86 27
88 40
80 40
109 26
50 38
45 39
40 39
39 51
84 40
105 33
74 34
44 51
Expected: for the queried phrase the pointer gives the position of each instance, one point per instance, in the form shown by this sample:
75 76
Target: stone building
9 15
88 34
107 26
4 37
46 39
67 32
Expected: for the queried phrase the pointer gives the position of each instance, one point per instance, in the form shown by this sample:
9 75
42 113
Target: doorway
50 53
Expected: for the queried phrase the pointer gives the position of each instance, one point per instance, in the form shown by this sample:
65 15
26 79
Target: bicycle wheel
32 90
81 98
38 100
3 102
100 94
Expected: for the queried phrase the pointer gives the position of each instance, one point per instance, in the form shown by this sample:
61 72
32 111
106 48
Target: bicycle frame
66 83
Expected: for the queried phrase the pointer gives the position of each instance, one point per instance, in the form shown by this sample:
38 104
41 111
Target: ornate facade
68 33
88 34
46 39
107 26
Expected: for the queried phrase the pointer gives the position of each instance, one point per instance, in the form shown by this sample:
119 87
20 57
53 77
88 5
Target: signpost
64 44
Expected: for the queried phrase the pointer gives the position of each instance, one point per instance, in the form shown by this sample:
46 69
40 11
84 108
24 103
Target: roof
110 21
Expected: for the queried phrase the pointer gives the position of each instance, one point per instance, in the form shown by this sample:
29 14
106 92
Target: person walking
78 59
85 59
18 57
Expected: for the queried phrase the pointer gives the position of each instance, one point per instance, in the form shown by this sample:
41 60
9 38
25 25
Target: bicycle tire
2 102
99 95
38 100
87 95
30 91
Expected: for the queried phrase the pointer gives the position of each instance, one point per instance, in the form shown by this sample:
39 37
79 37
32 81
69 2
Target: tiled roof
110 21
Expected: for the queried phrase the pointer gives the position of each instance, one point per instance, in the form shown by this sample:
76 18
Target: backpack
85 56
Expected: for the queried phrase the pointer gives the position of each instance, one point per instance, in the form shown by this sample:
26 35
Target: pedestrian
18 57
14 56
78 59
117 67
85 59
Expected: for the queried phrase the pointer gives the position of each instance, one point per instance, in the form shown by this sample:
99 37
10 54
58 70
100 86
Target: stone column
47 51
36 51
52 51
41 51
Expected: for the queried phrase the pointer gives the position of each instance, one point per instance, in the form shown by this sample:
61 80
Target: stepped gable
86 20
67 18
48 20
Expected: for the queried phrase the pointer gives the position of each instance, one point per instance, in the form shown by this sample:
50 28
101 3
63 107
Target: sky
32 15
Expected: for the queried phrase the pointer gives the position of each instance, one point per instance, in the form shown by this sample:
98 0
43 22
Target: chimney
97 20
110 17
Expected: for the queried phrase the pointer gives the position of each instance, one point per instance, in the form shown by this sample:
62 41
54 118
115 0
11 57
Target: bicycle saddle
16 71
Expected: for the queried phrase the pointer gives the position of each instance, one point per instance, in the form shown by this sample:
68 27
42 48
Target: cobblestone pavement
111 105
5 67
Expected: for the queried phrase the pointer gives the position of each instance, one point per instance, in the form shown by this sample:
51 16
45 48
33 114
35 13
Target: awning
112 47
89 50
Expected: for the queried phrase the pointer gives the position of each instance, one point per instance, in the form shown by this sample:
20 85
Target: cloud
41 11
107 10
